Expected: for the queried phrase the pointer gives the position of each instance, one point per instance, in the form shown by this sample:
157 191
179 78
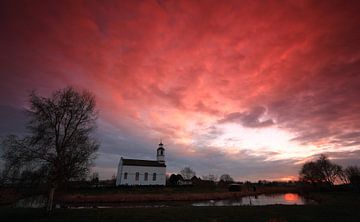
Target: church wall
119 173
131 170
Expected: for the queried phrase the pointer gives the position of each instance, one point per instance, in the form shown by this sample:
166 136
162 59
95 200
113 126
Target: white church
143 172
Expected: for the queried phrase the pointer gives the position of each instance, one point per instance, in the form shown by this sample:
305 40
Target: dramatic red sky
249 88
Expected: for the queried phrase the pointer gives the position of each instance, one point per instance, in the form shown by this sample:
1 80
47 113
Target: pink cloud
174 69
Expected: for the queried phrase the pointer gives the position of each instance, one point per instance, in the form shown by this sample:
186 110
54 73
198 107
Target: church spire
160 154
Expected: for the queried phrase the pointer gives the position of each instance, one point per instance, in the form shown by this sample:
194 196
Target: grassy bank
339 206
166 196
265 213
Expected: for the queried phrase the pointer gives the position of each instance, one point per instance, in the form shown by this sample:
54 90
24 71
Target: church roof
135 162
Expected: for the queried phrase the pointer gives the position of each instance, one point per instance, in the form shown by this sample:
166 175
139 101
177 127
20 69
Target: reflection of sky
291 197
286 199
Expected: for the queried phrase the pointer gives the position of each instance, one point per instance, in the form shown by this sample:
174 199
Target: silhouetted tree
95 178
321 171
196 180
174 179
32 178
210 177
226 178
59 141
310 172
352 175
2 177
262 182
187 173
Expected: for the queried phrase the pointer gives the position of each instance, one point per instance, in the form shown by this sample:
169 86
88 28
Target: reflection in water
291 197
32 202
286 199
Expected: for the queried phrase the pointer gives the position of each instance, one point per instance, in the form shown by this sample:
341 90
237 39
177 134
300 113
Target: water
32 202
260 200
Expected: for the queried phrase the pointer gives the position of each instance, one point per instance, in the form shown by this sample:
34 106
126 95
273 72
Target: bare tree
226 178
94 178
321 171
187 173
59 141
351 174
331 171
311 173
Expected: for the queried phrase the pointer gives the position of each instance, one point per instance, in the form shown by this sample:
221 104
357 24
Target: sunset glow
248 88
291 197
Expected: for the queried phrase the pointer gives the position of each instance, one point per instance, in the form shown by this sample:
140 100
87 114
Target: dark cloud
251 118
243 165
12 120
325 109
348 158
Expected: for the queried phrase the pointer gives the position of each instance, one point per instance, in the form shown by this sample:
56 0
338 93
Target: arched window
125 176
146 175
161 152
137 176
154 176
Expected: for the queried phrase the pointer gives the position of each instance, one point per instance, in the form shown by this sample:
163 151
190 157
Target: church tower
160 155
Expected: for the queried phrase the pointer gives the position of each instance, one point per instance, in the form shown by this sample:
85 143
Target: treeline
187 176
323 171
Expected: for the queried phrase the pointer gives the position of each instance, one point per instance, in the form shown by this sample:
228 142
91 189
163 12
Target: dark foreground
332 207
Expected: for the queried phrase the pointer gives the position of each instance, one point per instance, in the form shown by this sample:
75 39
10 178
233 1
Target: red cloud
169 68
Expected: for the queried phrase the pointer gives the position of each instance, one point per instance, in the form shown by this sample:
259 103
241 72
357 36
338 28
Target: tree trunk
51 199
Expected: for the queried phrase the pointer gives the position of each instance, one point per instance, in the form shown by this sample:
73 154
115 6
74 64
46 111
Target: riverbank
166 196
335 206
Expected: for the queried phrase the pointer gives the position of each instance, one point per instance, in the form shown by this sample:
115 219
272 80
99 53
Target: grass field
339 206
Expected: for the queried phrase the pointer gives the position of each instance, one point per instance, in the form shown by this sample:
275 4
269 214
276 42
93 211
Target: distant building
143 172
184 182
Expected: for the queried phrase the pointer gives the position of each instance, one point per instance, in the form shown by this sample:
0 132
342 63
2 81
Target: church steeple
160 154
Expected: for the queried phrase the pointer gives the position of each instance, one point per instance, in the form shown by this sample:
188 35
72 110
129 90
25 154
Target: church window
154 176
125 176
137 176
146 176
